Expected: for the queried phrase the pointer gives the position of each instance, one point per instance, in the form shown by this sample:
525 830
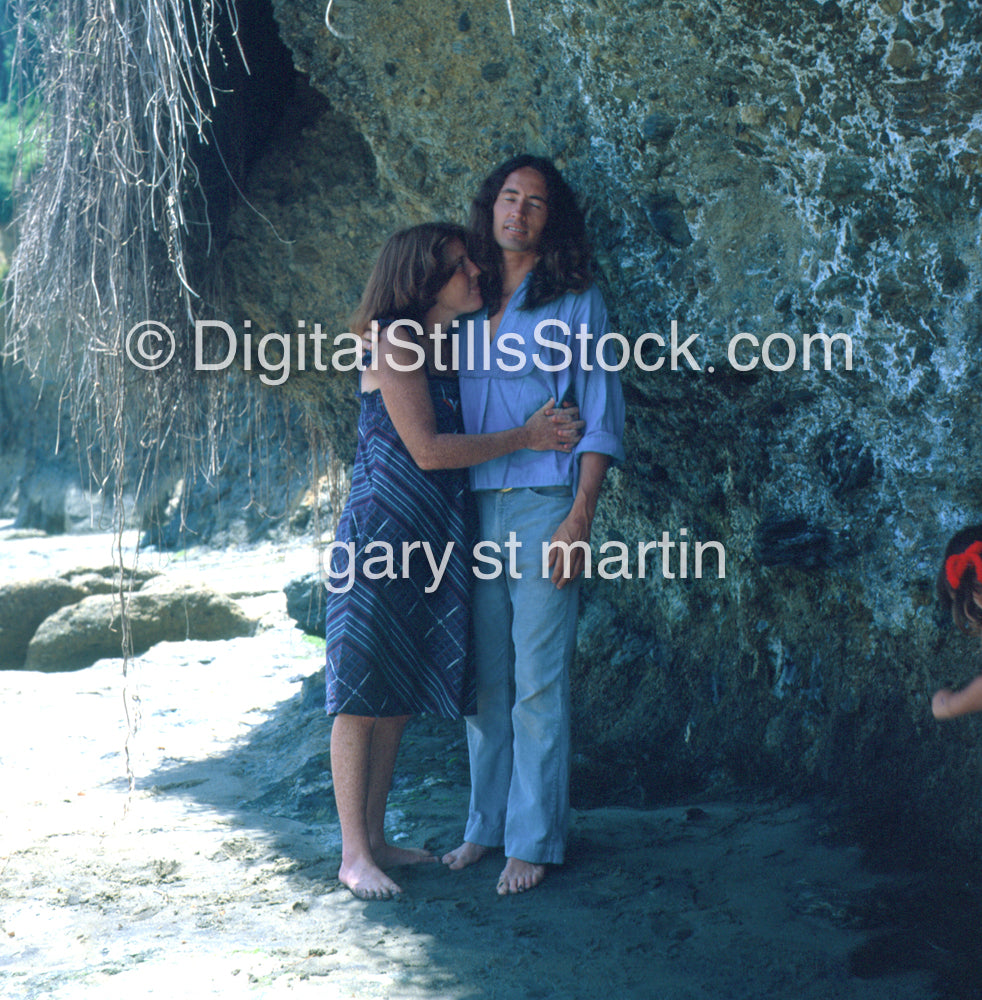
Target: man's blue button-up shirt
536 354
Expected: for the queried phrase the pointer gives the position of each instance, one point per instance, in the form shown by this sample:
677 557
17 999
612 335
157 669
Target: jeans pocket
551 491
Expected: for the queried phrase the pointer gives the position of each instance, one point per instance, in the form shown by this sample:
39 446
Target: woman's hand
551 429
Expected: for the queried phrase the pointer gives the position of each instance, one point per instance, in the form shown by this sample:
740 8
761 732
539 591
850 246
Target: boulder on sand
306 602
78 635
23 606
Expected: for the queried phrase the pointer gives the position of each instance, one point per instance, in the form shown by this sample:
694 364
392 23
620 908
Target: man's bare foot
464 855
519 875
387 856
367 881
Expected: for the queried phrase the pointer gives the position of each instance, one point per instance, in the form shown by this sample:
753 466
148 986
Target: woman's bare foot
464 855
387 856
366 880
518 875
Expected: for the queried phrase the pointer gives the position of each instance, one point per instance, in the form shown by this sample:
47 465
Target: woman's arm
407 400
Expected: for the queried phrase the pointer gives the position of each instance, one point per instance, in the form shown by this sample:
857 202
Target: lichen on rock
801 174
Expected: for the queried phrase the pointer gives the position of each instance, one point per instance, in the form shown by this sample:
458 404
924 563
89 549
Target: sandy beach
214 875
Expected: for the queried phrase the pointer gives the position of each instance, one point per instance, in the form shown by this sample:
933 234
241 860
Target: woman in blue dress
398 601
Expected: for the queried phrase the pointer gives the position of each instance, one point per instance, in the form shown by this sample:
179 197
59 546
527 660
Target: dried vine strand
108 231
127 89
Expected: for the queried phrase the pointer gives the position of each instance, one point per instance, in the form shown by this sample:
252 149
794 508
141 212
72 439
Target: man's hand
567 564
577 523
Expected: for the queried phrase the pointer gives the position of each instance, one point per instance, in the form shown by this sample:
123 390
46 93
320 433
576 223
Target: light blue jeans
525 635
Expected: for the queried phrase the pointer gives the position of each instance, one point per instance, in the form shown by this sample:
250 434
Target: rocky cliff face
796 187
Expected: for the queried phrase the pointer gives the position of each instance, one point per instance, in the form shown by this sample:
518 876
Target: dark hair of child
960 579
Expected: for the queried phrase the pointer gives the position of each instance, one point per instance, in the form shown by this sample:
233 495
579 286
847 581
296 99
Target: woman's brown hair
408 274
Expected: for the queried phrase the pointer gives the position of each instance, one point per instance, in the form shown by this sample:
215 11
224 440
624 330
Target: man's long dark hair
566 260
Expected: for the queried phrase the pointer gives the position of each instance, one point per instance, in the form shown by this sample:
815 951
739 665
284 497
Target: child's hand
941 704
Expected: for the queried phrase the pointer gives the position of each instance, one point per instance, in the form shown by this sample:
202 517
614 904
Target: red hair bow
955 566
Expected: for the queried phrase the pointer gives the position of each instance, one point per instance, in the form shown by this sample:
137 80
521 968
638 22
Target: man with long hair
537 337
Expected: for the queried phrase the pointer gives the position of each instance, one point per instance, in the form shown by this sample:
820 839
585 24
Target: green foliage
20 120
20 153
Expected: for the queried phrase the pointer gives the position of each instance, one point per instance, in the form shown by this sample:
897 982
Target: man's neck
516 267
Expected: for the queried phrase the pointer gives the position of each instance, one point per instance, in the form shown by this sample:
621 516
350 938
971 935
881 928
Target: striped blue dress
393 648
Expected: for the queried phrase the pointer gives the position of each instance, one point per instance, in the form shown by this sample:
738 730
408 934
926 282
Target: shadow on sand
738 899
